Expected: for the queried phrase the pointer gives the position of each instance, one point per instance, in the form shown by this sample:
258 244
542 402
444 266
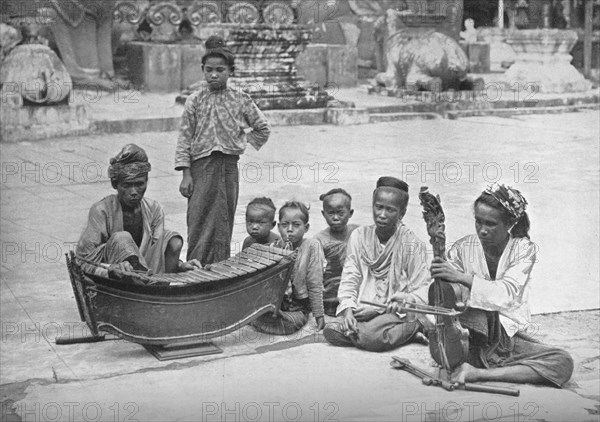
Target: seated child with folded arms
337 210
305 291
260 219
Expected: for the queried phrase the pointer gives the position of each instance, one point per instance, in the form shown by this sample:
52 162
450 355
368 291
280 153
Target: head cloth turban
510 198
130 163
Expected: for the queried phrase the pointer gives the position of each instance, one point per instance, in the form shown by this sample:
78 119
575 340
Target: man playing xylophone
125 232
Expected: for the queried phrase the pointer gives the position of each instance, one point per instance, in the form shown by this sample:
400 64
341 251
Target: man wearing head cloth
495 265
385 262
126 231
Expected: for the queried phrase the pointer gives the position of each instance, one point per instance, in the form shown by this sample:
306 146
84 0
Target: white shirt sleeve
351 276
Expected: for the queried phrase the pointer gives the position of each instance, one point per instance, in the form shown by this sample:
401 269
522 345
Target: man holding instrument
496 264
385 263
125 232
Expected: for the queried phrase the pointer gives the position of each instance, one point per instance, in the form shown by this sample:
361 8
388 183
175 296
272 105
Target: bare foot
464 373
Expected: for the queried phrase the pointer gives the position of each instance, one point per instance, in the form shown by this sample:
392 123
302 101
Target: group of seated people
344 267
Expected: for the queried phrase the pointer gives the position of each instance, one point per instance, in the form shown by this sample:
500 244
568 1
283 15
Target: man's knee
372 340
566 362
175 245
120 238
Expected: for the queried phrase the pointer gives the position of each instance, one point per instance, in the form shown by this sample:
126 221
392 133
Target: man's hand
320 322
189 265
116 270
398 301
187 184
365 313
446 272
349 322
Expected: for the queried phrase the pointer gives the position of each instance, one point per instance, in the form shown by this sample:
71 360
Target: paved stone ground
48 187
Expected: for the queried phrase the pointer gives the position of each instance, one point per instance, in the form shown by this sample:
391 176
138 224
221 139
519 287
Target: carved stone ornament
243 13
278 13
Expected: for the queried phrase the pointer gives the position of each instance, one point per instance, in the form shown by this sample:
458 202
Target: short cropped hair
296 205
265 202
333 192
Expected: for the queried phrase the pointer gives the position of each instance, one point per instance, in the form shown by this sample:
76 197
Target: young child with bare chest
305 291
337 211
260 219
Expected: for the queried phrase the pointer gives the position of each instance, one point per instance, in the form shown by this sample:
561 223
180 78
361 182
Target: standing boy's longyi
211 139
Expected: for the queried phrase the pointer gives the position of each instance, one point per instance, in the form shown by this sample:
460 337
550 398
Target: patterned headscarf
130 163
510 198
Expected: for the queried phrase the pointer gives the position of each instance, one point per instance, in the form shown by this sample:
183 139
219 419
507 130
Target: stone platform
131 111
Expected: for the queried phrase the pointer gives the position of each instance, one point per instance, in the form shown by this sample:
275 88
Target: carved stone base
265 65
31 123
543 61
548 77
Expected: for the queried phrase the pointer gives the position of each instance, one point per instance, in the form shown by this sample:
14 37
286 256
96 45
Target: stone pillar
567 12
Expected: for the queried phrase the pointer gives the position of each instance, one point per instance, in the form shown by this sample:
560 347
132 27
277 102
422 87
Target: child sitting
260 219
305 291
337 210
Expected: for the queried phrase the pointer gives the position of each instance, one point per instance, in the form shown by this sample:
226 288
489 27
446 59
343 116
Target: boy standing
260 219
337 210
212 137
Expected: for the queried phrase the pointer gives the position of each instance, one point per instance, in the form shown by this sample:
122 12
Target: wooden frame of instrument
186 313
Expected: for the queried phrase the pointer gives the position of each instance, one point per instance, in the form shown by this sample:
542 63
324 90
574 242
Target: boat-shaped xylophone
185 307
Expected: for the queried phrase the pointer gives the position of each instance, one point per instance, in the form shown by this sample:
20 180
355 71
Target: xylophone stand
182 350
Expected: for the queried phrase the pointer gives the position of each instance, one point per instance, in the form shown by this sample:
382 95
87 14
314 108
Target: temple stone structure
265 38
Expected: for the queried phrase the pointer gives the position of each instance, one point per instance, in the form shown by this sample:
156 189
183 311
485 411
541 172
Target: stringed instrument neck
449 342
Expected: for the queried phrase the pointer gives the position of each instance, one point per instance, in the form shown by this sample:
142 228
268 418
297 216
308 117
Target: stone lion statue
418 57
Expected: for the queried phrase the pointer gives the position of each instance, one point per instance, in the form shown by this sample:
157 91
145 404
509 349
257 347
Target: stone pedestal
543 61
329 65
164 67
31 123
154 67
263 35
265 64
501 54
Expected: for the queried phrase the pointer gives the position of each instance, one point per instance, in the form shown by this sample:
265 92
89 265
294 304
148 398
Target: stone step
507 112
395 117
152 124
